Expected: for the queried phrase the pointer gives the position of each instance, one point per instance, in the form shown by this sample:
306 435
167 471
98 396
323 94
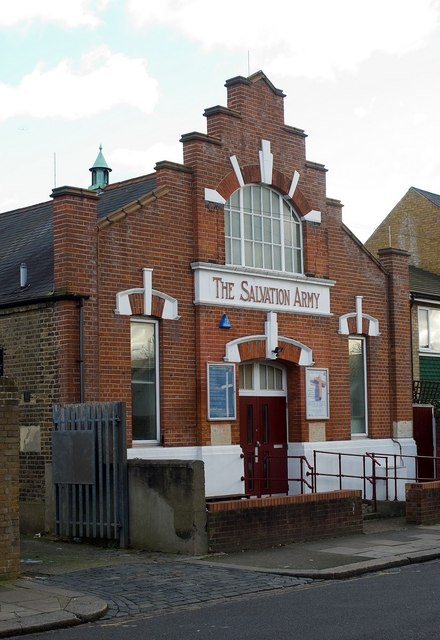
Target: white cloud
103 80
420 118
138 162
312 39
74 13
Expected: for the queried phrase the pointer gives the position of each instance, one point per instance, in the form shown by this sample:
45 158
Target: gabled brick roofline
258 75
355 239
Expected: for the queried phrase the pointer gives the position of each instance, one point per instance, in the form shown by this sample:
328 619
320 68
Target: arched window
262 230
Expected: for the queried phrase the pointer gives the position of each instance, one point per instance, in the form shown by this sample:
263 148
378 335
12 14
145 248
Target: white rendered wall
393 453
223 464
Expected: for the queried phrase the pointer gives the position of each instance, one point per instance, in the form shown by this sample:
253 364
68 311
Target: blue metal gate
89 461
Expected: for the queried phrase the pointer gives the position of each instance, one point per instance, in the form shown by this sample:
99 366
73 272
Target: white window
144 381
261 379
429 329
262 230
358 386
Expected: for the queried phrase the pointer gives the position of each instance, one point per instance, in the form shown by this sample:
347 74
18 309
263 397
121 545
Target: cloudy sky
362 80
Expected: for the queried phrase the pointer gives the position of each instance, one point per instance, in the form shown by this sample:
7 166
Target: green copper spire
100 172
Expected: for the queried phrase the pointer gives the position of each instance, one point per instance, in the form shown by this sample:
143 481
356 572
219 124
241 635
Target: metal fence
89 460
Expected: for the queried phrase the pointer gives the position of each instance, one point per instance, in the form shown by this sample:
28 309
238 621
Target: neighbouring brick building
414 225
222 299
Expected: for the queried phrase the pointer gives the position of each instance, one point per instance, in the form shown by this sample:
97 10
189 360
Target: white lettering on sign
231 288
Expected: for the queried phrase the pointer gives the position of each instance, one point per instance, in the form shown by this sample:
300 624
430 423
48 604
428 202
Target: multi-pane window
429 329
271 378
358 385
262 230
261 377
144 381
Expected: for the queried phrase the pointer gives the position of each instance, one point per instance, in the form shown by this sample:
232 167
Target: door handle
257 446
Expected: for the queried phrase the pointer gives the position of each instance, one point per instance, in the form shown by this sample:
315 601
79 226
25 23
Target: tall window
262 230
144 381
358 385
429 329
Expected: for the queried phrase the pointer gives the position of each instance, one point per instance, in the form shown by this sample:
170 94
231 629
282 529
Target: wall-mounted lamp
224 322
277 351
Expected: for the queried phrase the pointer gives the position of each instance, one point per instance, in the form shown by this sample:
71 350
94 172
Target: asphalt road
396 604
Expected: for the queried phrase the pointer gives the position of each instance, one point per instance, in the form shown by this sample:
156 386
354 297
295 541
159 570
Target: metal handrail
309 473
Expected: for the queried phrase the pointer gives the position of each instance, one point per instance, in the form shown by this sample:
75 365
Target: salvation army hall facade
226 303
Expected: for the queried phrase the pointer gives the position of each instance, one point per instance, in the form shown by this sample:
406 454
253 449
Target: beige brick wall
27 338
413 225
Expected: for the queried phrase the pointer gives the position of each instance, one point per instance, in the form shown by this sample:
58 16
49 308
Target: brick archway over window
255 349
252 175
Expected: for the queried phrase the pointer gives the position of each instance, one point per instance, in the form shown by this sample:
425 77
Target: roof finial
100 172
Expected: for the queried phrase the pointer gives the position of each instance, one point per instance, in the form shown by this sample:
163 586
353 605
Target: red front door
263 437
423 426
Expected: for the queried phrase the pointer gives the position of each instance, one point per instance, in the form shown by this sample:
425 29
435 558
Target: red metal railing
374 468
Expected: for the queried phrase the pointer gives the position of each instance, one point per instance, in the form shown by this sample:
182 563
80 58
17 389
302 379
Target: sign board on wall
221 391
230 287
316 393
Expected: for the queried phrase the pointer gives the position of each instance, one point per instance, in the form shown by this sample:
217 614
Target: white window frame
429 311
155 323
257 391
362 434
296 227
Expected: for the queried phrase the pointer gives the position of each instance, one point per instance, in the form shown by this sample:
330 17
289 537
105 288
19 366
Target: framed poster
316 393
221 392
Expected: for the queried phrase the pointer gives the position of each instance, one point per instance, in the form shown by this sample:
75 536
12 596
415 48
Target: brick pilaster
76 255
395 262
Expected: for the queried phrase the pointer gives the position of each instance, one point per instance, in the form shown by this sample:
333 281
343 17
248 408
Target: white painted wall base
327 461
223 464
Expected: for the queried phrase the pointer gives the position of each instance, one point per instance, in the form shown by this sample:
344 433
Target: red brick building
222 299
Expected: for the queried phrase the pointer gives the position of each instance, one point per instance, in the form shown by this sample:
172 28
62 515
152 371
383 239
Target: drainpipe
81 349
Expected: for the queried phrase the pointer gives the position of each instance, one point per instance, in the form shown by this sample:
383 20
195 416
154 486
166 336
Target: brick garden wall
9 463
262 523
423 503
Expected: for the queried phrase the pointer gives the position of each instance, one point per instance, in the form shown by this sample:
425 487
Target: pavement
67 583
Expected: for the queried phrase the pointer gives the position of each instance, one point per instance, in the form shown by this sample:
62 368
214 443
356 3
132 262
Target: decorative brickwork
9 463
265 522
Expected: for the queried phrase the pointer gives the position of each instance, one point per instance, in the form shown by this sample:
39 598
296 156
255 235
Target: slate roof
424 283
122 193
432 197
26 235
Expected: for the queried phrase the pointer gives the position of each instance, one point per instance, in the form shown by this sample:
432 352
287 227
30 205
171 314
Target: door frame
257 393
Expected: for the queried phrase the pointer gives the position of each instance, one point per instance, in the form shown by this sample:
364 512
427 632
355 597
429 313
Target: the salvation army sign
229 287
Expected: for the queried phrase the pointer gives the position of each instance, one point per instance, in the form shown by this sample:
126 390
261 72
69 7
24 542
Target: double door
263 435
